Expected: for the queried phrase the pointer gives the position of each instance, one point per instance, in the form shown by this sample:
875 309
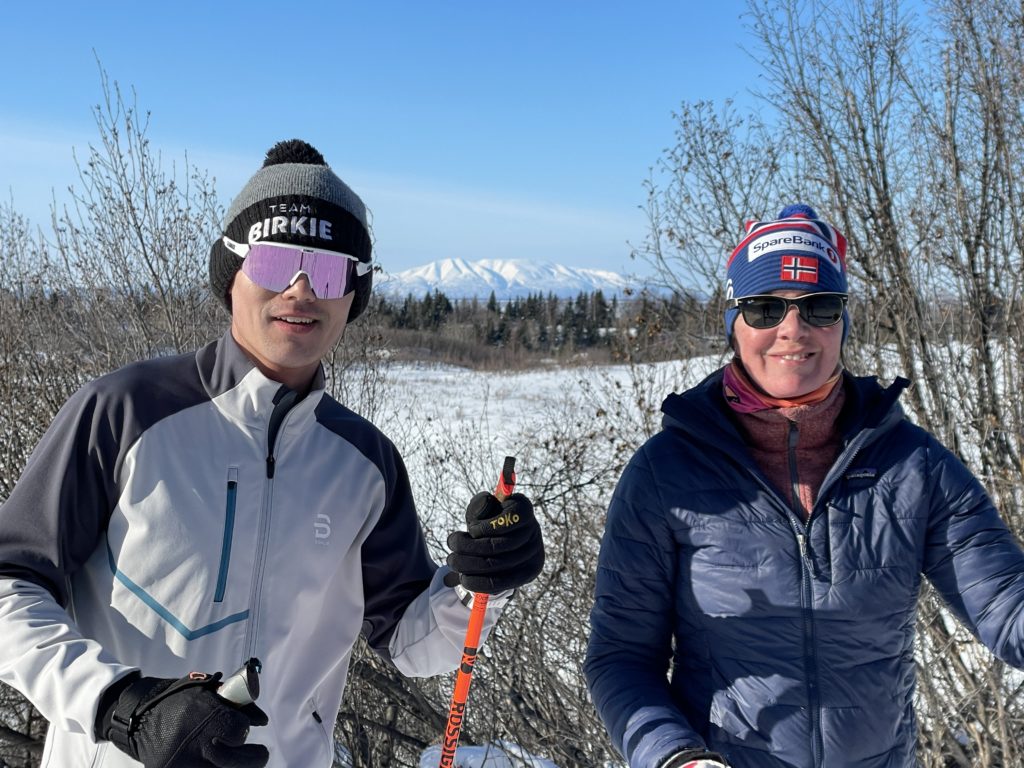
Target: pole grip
242 687
507 479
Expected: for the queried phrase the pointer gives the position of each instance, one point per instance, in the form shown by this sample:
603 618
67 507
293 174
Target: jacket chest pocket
236 507
876 543
227 540
730 566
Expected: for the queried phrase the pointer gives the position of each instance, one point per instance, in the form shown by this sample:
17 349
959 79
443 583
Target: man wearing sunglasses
187 514
759 573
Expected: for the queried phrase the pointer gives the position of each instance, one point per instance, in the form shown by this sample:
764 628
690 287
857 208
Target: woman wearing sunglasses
758 579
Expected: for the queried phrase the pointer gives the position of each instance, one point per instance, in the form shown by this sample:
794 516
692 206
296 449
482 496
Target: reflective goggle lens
275 266
818 309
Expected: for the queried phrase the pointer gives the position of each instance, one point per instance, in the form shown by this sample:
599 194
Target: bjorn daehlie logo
322 529
291 219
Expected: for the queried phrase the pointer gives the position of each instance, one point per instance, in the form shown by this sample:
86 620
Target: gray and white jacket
178 515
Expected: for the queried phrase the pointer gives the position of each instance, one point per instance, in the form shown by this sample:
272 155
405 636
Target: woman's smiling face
792 358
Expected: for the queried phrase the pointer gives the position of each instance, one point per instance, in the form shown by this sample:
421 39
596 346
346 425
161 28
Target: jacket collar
241 391
869 405
702 411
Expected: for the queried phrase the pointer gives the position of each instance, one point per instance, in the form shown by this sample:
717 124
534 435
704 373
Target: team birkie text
299 224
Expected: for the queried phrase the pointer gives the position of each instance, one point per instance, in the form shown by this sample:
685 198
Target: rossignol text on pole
456 712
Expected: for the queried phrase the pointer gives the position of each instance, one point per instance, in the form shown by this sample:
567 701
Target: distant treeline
645 327
589 326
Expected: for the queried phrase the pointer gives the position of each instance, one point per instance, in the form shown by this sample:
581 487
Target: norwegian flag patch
799 269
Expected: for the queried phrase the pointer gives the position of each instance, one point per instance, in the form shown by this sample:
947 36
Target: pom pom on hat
796 251
293 151
797 209
294 198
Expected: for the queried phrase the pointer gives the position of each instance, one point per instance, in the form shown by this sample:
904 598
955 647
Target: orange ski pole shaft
457 710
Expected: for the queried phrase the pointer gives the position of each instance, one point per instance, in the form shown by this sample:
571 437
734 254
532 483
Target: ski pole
242 687
457 710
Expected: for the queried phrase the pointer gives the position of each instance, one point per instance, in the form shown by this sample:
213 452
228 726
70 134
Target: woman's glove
183 723
503 548
695 758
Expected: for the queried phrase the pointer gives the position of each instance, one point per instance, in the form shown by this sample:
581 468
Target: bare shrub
120 277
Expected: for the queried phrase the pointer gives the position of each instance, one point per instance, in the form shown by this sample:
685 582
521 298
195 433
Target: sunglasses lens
763 311
822 310
329 274
275 268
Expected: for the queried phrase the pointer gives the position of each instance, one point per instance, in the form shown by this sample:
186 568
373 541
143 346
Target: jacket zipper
318 719
229 528
845 460
803 537
283 402
802 530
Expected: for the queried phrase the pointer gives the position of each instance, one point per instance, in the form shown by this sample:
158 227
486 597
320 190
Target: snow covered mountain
508 278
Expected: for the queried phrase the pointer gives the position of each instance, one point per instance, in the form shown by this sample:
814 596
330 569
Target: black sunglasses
818 309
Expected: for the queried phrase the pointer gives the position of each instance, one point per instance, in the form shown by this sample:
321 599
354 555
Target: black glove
695 758
503 548
182 724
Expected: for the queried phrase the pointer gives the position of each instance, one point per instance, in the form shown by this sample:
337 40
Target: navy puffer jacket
723 620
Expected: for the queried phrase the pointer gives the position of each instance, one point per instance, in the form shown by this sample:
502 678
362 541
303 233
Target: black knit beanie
294 198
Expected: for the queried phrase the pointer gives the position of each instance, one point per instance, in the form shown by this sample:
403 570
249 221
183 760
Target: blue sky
471 129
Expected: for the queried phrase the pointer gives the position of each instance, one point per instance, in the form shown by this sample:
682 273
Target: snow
453 427
513 405
499 755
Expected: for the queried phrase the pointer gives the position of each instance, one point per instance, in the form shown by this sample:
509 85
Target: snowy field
500 755
454 426
432 412
422 406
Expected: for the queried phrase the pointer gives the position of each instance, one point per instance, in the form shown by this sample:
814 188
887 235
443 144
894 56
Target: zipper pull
270 466
805 554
